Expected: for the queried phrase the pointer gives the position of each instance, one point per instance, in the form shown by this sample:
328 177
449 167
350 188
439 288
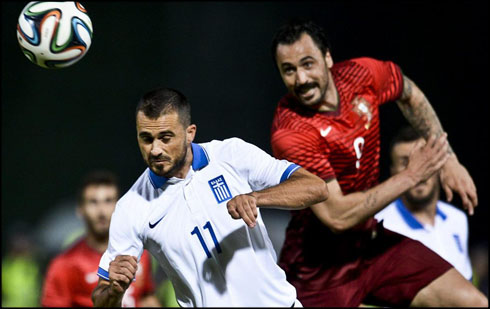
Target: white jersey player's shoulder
139 195
226 147
451 211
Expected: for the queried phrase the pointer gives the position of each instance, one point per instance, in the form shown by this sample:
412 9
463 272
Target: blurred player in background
72 275
329 124
420 215
182 208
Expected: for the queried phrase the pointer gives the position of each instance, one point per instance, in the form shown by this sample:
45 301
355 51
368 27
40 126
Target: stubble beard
419 203
179 163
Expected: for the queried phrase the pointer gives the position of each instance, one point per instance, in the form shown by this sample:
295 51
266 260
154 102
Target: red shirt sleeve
305 148
56 288
387 78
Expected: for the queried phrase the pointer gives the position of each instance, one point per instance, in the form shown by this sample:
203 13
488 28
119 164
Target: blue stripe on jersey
291 169
407 216
103 274
440 213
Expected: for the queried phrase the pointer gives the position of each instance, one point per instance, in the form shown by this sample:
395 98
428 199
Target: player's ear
328 59
190 133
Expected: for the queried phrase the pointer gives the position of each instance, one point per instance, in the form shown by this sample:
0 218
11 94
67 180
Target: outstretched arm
420 114
300 190
341 212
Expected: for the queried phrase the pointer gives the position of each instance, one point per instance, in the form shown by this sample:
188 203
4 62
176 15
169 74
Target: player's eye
308 64
165 138
288 70
146 139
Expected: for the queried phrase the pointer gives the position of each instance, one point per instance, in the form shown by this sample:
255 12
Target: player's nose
301 77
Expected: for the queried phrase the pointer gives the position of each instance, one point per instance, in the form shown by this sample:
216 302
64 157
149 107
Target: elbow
338 226
321 192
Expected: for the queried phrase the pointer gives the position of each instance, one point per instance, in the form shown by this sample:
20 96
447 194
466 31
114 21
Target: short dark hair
406 134
292 31
162 101
96 178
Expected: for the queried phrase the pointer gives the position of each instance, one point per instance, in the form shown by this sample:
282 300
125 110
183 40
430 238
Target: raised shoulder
452 211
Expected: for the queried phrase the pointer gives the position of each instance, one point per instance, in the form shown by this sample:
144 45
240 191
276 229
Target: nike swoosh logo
153 225
326 131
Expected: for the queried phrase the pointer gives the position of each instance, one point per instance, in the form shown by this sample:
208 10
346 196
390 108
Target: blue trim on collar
407 215
200 159
440 213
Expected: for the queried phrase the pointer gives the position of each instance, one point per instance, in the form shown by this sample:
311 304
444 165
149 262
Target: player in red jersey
335 252
72 276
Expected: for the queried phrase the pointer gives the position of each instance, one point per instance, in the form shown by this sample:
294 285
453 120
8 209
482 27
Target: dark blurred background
59 124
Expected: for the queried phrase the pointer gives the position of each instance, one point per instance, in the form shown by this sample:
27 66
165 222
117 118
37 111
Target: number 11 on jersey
201 239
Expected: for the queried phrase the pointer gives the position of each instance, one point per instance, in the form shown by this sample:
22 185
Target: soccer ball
54 34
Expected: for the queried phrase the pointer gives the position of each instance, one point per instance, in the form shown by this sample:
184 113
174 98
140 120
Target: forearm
345 211
103 296
418 111
301 190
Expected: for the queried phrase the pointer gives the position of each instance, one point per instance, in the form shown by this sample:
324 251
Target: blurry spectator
21 280
71 276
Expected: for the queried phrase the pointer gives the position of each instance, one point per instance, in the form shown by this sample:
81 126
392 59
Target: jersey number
208 226
358 145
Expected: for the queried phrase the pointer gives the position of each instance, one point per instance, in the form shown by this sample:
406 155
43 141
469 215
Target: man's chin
158 170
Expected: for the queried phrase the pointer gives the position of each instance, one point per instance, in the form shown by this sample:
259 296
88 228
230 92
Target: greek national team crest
220 189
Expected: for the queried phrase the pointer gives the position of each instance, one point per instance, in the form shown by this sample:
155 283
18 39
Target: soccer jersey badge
220 189
363 108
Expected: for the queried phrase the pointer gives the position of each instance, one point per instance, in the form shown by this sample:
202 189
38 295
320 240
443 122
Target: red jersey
343 144
72 276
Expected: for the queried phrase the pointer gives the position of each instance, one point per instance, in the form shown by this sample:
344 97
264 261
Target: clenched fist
122 272
243 206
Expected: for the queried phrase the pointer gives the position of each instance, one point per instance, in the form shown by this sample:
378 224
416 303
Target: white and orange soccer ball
54 34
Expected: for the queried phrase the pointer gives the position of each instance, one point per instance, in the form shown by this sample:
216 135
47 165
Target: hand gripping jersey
72 276
211 258
343 144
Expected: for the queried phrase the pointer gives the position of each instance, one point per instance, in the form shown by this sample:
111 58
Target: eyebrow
301 60
144 133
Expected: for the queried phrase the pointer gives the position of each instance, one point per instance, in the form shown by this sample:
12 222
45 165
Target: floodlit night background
59 124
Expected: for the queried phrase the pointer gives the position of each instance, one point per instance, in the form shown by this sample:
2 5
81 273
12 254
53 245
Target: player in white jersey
419 214
183 210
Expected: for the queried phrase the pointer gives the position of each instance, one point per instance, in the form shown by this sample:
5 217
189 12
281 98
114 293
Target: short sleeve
123 239
261 169
387 78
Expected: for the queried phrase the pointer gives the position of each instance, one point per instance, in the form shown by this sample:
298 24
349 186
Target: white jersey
448 237
211 258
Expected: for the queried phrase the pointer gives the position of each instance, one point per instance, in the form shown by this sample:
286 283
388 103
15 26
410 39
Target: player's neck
424 213
97 243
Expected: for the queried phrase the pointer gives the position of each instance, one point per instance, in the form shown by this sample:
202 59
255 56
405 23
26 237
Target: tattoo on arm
418 111
370 200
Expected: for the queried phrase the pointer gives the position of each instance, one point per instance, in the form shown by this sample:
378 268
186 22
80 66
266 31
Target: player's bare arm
341 212
300 190
109 293
420 114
